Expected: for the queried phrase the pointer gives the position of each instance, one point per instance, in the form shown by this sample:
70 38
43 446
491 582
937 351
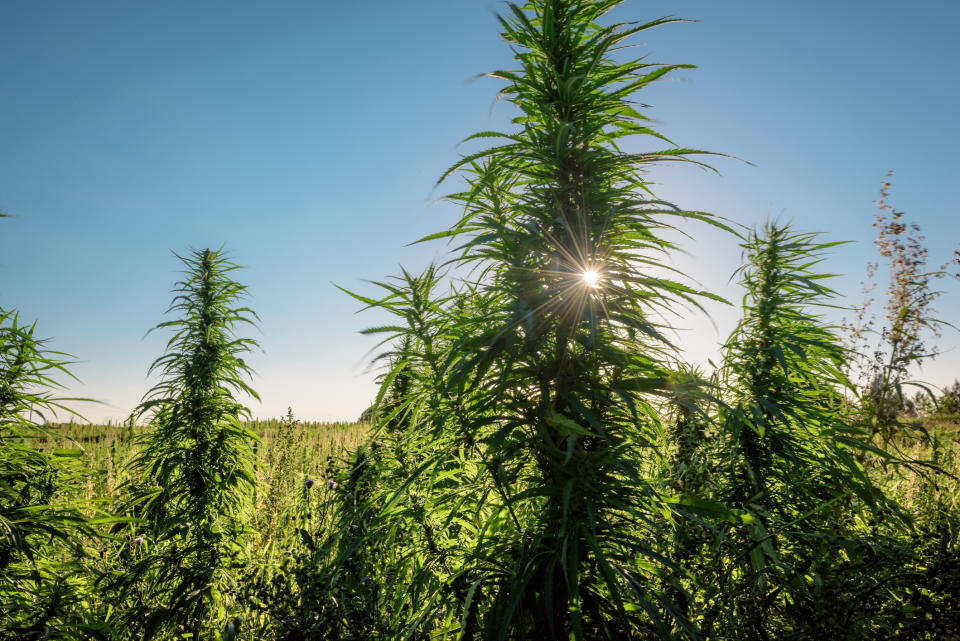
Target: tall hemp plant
374 564
794 478
195 467
545 415
42 535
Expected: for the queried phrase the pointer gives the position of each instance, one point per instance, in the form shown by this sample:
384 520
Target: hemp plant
792 445
42 534
195 467
39 527
531 482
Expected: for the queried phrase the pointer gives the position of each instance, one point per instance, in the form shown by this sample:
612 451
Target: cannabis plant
42 535
526 494
793 478
195 467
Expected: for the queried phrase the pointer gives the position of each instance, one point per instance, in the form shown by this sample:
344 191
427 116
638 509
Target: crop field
540 462
286 452
298 467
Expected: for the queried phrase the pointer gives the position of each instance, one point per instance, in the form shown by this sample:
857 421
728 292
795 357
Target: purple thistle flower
309 482
331 484
138 540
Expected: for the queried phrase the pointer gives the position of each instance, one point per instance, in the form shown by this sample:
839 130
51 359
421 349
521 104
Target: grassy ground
929 492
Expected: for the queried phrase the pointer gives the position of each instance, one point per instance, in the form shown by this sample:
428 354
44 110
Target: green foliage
793 475
783 369
514 487
195 471
529 414
275 480
541 464
42 534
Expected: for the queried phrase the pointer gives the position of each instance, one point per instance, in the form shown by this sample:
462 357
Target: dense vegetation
540 463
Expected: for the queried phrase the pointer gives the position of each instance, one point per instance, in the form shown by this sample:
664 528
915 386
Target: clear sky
307 137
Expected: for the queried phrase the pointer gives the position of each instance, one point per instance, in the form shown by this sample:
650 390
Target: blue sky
307 137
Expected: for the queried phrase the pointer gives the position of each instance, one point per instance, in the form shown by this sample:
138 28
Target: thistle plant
195 466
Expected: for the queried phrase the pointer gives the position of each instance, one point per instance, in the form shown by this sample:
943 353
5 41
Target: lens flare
591 277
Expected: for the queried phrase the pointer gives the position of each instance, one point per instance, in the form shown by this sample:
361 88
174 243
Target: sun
591 277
